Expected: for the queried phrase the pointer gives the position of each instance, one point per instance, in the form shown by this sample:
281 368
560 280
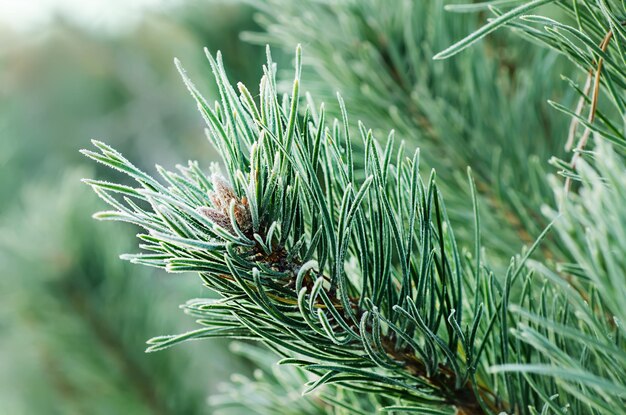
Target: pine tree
339 252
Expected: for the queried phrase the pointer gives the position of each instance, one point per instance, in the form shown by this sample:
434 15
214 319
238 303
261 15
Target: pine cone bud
221 197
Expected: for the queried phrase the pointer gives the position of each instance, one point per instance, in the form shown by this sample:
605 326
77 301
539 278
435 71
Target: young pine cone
221 197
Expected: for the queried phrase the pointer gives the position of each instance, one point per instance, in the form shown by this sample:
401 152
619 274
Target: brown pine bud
221 198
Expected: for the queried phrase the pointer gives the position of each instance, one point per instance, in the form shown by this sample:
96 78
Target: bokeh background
73 317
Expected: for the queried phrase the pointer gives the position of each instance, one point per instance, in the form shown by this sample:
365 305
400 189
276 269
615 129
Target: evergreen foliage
336 250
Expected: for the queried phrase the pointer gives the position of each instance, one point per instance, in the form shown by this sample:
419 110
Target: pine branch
357 280
352 273
344 262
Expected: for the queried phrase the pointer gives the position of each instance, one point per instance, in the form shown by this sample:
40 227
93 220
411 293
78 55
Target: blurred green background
73 317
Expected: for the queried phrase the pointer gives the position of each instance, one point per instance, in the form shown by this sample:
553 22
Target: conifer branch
353 274
356 279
